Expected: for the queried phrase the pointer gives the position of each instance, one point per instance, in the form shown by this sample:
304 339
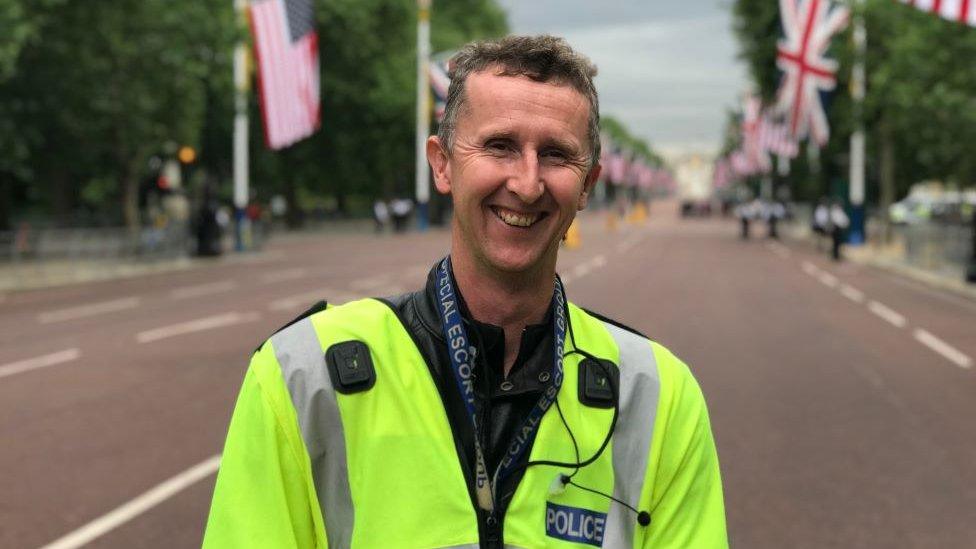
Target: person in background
381 215
838 228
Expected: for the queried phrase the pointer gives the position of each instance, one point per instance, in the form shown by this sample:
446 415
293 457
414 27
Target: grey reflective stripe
640 387
307 378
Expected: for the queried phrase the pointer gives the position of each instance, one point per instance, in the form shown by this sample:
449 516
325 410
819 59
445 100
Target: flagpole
423 113
856 235
240 132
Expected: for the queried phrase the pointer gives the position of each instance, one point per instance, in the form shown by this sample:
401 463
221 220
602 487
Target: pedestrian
381 215
775 212
478 411
401 209
821 219
746 212
838 228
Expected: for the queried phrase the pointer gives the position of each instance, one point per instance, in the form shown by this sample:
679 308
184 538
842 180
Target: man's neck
509 301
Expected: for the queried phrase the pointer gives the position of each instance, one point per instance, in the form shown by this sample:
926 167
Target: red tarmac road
842 398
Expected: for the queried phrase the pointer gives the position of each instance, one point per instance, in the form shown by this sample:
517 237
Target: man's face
518 172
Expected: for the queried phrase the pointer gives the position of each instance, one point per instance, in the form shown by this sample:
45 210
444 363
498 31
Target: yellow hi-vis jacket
306 466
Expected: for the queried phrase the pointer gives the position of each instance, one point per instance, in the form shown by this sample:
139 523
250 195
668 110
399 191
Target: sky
667 69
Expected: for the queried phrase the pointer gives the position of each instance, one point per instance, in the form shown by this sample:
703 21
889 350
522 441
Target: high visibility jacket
307 466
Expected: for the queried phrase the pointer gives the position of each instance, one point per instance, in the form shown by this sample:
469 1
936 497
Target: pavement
841 395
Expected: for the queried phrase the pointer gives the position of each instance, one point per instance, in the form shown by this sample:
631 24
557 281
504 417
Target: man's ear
588 184
438 157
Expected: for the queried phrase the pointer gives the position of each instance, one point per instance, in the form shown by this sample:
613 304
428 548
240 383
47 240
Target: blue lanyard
463 354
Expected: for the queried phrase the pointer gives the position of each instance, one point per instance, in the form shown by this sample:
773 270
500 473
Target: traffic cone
573 236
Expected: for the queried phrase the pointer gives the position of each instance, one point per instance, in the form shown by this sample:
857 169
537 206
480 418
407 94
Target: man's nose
527 182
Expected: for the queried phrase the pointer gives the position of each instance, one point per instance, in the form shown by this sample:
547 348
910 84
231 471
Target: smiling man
484 410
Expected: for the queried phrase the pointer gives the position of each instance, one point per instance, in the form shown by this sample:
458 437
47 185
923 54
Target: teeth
515 219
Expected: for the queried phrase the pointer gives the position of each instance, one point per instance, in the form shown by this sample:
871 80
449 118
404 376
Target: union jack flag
808 26
440 82
963 11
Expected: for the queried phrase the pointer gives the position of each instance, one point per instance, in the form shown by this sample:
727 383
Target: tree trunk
887 178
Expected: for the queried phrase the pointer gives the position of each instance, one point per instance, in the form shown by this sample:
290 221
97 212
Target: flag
439 84
808 26
963 11
774 138
287 50
752 115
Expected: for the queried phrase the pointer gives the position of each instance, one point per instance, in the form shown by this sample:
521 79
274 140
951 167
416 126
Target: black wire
568 480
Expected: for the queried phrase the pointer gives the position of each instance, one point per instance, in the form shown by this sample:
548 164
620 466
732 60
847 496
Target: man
483 410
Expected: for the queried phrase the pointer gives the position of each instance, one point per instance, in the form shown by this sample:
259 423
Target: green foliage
90 90
921 83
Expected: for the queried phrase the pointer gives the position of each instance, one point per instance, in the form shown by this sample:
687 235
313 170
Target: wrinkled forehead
495 91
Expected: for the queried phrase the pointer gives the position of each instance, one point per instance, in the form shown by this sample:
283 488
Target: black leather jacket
501 403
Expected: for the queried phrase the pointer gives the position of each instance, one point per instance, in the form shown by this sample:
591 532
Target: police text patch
574 524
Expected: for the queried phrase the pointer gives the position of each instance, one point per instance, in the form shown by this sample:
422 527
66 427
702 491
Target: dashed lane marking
91 309
954 355
599 261
305 300
810 269
135 507
35 363
779 249
827 279
201 290
365 284
198 325
581 270
892 317
852 293
283 276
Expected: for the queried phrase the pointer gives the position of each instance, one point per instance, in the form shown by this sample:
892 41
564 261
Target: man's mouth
516 219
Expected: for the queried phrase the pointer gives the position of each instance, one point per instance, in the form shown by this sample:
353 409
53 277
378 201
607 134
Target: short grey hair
542 58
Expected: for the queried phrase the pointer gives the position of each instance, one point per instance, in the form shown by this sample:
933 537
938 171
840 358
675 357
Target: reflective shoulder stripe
640 387
302 363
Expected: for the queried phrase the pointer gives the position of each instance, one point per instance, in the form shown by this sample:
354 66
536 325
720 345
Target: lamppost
423 113
856 235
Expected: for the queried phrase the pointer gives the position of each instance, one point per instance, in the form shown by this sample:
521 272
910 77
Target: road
842 398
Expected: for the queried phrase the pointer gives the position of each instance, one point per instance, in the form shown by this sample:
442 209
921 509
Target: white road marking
307 299
29 364
599 261
810 269
91 309
364 284
283 276
889 315
954 355
581 270
135 507
198 325
201 290
828 279
779 249
852 293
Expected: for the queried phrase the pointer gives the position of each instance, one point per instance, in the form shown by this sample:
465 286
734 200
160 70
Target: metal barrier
37 245
935 246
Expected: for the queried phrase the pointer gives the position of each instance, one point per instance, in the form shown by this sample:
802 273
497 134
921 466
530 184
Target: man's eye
498 146
554 155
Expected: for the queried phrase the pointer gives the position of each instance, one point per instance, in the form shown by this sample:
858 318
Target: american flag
287 50
963 11
808 26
